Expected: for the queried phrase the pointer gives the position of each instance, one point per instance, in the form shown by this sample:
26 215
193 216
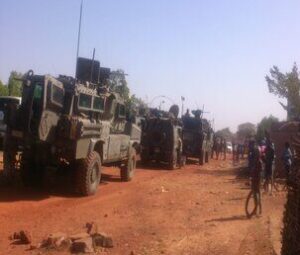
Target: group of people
221 147
261 164
261 161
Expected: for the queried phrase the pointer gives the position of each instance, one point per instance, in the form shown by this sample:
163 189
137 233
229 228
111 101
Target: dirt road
196 210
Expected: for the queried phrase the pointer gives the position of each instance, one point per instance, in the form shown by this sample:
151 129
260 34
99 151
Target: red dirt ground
196 210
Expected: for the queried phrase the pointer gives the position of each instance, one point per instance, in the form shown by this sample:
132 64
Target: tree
225 133
265 125
3 89
14 85
286 86
246 130
118 83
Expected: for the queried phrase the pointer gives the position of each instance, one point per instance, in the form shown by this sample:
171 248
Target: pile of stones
85 242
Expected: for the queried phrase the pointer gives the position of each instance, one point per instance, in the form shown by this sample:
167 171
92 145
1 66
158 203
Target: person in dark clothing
218 146
269 159
287 158
251 147
224 148
256 177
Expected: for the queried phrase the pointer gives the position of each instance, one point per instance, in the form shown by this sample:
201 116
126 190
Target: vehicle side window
57 95
98 104
85 101
37 93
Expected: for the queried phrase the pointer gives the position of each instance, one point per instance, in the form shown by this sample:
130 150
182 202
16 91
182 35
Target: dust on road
195 210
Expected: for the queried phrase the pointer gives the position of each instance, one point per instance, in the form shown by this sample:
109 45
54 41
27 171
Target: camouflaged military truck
66 122
162 138
197 137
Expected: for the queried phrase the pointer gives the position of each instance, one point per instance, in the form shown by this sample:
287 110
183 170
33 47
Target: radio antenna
78 38
92 69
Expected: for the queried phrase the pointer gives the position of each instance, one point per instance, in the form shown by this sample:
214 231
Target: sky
213 53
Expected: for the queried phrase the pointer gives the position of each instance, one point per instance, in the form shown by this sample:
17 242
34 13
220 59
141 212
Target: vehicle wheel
128 170
279 184
206 157
201 158
88 174
173 160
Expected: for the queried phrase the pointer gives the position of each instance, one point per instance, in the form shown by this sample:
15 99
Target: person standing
269 159
287 158
255 174
224 148
218 146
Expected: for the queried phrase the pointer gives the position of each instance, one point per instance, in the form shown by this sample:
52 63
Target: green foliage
135 105
265 125
286 86
225 133
14 86
246 130
118 83
3 89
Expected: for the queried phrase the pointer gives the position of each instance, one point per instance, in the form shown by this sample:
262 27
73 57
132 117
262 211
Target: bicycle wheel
279 183
251 204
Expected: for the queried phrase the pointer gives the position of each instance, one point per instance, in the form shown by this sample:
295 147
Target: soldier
187 113
218 146
224 148
213 149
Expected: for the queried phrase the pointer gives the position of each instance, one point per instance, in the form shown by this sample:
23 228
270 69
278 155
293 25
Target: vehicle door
52 108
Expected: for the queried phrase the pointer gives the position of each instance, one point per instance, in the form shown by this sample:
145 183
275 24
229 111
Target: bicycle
279 183
253 201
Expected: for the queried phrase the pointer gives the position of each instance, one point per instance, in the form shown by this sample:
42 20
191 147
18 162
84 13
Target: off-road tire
201 158
127 171
88 174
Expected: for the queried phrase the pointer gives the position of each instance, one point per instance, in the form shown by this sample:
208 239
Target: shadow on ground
152 165
232 218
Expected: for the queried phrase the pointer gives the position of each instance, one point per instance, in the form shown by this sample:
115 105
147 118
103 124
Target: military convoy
71 122
162 138
197 137
81 124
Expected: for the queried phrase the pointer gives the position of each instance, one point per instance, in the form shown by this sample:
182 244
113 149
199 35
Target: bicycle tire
279 184
250 213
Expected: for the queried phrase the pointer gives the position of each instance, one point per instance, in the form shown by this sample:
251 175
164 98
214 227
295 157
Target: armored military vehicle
66 122
197 137
162 138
